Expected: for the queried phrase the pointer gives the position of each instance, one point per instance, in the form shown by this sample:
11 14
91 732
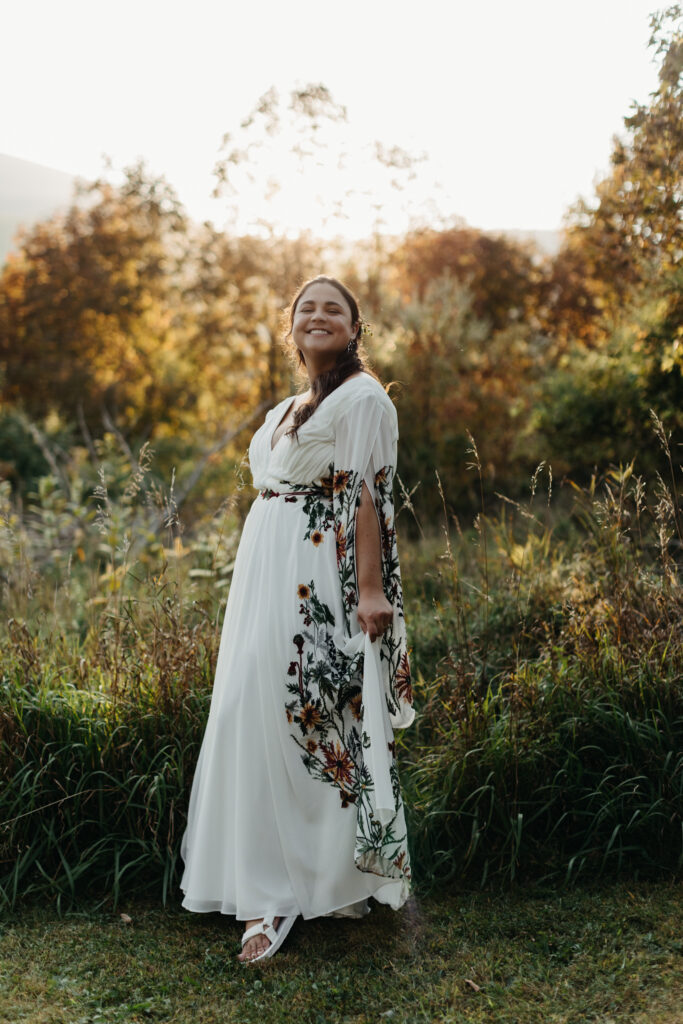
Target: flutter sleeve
366 435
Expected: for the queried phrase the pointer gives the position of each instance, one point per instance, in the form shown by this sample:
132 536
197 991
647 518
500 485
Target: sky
512 104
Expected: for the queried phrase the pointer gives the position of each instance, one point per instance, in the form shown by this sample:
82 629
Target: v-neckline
279 424
282 419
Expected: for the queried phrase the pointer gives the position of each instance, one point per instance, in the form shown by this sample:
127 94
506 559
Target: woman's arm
375 613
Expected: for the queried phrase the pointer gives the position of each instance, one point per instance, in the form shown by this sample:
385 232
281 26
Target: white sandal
265 927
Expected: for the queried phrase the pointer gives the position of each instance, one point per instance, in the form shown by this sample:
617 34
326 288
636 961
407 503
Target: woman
295 805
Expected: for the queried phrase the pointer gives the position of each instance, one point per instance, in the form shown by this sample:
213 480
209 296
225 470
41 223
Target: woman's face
322 325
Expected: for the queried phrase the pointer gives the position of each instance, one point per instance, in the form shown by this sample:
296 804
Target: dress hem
218 906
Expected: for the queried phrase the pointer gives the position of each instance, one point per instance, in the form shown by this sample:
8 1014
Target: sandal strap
264 927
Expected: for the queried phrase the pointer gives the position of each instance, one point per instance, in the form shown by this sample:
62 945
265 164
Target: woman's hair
351 360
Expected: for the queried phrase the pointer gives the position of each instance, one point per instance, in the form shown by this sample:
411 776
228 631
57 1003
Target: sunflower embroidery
338 763
309 717
403 684
341 481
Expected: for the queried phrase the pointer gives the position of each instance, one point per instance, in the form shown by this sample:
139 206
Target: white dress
295 806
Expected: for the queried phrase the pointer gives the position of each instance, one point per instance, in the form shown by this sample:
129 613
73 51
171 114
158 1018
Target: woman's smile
322 326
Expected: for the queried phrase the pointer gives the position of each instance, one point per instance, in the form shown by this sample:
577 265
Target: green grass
607 955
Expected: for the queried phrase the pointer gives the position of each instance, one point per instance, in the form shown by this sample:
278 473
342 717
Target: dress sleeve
366 435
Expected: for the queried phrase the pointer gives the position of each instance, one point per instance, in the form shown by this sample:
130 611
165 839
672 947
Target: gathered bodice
306 459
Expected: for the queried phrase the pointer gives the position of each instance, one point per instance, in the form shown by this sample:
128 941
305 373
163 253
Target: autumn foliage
125 315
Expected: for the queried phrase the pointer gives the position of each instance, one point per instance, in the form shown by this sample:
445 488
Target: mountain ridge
30 192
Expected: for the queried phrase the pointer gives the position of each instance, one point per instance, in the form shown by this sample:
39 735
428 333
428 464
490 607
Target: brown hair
351 360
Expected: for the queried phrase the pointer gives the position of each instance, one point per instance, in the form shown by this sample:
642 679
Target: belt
267 493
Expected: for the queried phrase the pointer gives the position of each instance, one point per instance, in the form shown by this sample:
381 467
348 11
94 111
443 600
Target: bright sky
515 103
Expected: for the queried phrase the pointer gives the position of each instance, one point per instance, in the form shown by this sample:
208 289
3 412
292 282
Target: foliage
124 317
86 307
500 274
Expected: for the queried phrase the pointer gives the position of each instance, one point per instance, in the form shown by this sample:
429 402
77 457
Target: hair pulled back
351 360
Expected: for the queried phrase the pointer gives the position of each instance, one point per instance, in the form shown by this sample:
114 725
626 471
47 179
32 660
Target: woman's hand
375 613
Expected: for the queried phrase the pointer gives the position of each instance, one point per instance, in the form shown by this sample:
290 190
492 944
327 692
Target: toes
256 945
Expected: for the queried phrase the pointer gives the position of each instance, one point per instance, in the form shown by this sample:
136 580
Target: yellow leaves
672 357
177 551
113 577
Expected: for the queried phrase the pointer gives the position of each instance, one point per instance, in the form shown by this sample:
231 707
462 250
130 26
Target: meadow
540 403
547 657
602 953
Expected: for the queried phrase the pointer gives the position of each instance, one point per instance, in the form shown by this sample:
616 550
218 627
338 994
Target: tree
617 288
88 320
631 237
501 274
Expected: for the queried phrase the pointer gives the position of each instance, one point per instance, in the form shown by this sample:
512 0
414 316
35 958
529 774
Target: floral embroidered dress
295 805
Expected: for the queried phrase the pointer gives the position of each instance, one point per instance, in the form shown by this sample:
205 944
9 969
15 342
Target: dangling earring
353 342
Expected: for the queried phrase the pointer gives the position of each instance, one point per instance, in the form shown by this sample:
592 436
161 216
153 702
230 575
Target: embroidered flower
317 537
403 684
291 671
326 484
340 541
355 705
311 746
387 538
341 481
303 591
309 717
347 798
338 763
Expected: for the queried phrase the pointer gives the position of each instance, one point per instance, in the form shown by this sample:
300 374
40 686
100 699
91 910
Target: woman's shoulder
280 405
360 401
363 386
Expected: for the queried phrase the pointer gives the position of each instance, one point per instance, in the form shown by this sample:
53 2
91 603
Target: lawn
604 954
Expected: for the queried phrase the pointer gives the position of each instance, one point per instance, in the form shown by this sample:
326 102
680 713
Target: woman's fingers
375 624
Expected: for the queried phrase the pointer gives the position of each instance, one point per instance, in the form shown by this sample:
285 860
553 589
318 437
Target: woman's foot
252 947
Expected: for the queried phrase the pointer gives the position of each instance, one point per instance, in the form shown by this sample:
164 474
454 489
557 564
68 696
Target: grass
547 654
609 954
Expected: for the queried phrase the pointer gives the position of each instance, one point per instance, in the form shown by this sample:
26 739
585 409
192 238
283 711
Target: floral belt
319 492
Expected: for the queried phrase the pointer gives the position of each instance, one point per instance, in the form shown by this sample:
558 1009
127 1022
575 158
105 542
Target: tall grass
548 661
550 739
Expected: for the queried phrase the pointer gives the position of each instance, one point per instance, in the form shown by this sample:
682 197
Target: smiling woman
296 806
